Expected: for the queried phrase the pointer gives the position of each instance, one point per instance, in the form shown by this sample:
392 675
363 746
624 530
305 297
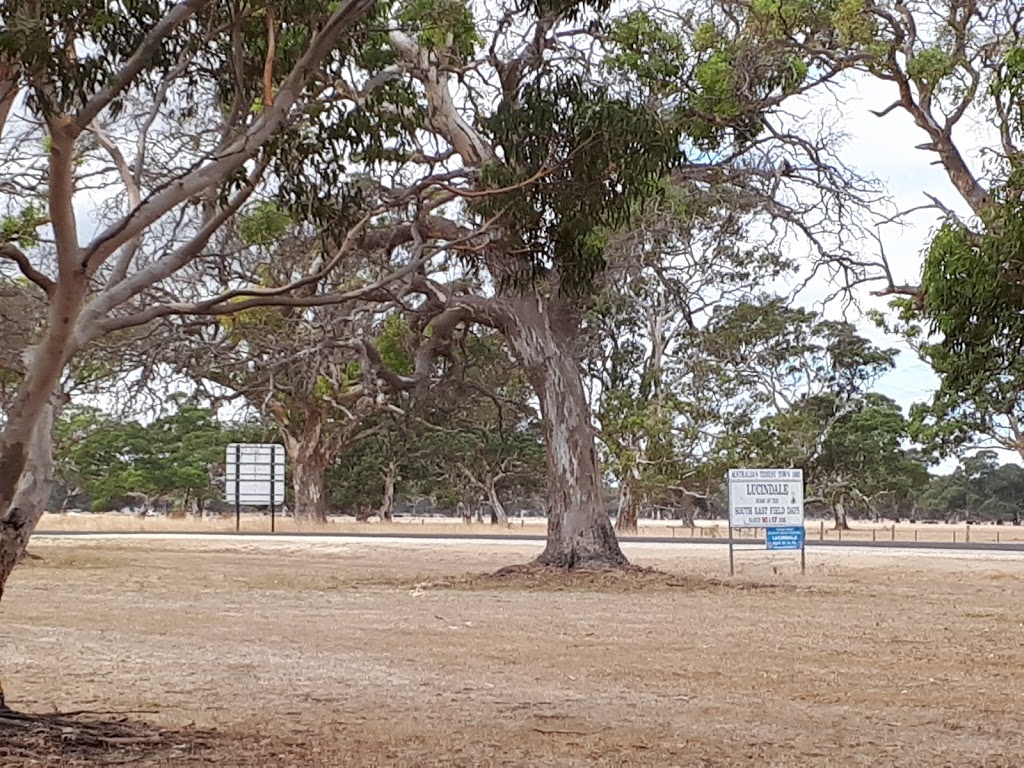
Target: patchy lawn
369 653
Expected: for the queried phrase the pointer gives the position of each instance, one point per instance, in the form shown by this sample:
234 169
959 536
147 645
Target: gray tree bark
629 507
29 502
387 505
580 534
498 514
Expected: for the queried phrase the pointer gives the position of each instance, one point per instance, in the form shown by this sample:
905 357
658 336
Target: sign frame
766 498
255 475
762 498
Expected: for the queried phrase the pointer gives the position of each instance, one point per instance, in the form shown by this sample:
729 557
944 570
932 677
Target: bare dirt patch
288 653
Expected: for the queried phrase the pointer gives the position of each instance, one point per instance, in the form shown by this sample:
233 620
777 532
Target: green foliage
976 308
978 488
21 227
172 460
645 48
83 44
263 224
930 65
396 343
579 159
853 23
443 25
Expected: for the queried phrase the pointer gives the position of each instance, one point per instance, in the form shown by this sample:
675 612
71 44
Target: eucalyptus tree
474 436
512 142
657 404
956 69
792 383
296 366
557 141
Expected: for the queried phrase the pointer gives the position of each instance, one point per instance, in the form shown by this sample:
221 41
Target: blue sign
787 537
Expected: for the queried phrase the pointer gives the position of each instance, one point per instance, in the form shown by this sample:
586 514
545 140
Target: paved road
528 537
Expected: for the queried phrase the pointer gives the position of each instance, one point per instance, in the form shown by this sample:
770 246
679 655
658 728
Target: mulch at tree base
96 739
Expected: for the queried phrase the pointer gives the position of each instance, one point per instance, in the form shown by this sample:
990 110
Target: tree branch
238 151
11 252
182 11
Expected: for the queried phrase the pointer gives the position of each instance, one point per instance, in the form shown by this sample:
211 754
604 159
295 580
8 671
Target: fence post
954 537
873 533
915 534
968 535
840 534
997 537
821 533
894 531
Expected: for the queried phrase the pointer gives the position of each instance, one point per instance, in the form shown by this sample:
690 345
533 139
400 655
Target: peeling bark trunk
387 505
629 508
839 513
30 499
580 533
44 367
498 514
308 487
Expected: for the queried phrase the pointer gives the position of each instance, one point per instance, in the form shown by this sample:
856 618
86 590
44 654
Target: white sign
255 471
759 498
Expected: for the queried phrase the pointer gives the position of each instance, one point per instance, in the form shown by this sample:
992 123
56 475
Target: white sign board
759 498
254 472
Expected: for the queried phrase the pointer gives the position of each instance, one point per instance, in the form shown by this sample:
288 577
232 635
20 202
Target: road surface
959 546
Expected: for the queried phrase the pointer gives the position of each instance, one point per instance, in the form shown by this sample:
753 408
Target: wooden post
997 537
894 531
915 534
873 534
821 533
967 536
840 534
954 537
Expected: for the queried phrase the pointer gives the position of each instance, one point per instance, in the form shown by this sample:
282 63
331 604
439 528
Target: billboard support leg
732 561
238 488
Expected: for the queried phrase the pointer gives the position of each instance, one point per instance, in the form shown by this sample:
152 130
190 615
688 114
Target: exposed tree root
88 739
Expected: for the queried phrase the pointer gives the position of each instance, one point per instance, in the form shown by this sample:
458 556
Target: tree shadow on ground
76 739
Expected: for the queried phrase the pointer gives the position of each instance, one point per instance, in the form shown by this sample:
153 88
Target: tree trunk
44 365
498 514
308 467
29 502
580 533
387 505
629 508
839 513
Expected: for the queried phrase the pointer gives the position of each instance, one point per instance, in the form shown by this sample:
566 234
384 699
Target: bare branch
11 252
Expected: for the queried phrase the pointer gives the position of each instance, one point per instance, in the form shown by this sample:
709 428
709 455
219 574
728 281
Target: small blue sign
785 537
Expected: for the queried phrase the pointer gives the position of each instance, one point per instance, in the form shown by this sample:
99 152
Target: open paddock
816 529
328 652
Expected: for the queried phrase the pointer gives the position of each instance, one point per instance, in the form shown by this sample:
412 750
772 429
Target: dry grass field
862 530
318 652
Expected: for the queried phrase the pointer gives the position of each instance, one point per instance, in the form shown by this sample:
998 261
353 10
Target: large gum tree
436 135
89 100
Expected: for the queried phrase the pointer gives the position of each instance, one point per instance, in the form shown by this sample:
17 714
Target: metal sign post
732 557
732 561
273 455
238 488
